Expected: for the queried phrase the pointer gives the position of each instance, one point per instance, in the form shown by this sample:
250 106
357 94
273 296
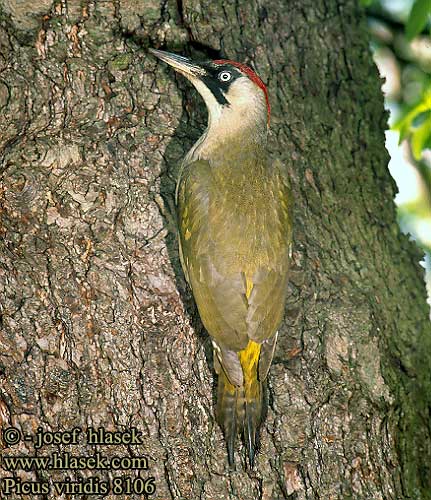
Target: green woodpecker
235 230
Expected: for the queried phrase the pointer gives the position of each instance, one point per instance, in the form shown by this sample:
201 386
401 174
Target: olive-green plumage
235 232
234 229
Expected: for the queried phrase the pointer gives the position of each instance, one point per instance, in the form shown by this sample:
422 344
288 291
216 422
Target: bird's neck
223 135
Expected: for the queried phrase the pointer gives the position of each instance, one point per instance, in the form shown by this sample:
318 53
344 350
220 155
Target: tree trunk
98 326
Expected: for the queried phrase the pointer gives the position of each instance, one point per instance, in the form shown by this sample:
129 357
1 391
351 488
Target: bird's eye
224 76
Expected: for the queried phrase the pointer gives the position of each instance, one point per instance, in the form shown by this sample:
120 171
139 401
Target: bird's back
235 233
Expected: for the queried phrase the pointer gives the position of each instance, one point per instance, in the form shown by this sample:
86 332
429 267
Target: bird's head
234 94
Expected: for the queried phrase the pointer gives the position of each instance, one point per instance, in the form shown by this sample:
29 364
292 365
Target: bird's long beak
183 65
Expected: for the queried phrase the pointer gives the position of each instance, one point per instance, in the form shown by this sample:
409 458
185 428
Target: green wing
219 299
234 235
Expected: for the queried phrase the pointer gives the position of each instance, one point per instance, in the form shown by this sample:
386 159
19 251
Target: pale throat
243 124
243 121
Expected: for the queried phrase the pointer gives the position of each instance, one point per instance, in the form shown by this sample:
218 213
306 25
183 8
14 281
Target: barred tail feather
227 395
253 419
239 409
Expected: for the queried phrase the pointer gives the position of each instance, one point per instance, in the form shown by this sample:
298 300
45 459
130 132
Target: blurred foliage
415 121
415 124
418 18
401 43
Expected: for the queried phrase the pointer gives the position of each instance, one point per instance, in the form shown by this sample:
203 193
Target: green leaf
406 124
418 18
420 118
420 137
366 3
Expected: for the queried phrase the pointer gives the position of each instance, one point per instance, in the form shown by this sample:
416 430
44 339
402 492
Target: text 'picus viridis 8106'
235 231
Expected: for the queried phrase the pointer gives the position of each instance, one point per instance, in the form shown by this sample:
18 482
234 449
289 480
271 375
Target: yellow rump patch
248 286
249 359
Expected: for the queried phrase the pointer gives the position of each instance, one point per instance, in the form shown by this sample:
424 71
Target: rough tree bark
98 326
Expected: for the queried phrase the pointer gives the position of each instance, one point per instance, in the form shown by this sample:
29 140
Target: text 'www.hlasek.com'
124 471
